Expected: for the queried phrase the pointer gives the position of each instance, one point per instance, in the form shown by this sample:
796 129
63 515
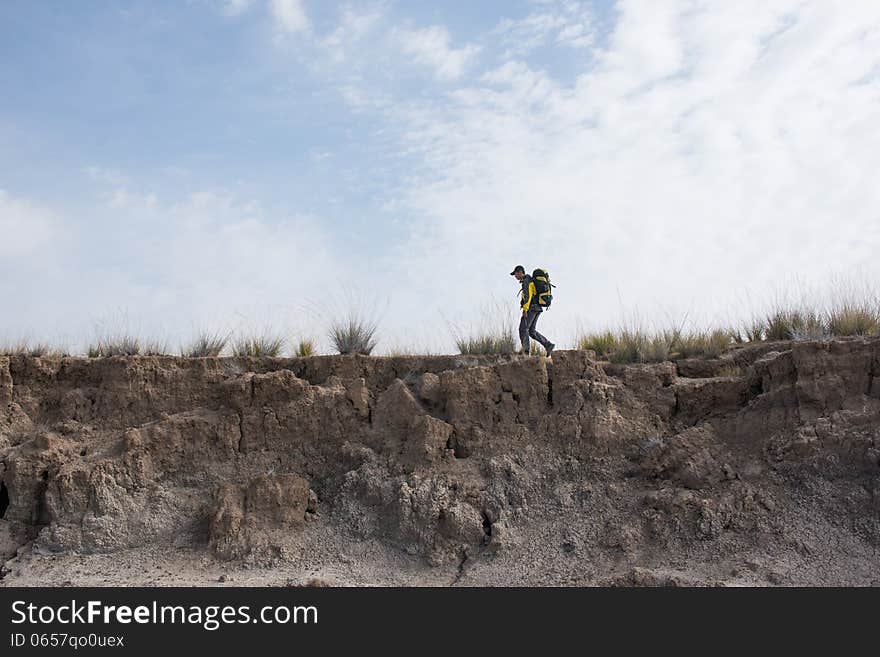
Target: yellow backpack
543 287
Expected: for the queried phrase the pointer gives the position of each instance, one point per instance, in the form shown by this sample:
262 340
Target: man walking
531 311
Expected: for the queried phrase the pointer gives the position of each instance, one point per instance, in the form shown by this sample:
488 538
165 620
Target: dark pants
528 329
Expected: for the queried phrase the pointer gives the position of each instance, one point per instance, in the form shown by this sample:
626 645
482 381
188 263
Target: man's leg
533 331
524 333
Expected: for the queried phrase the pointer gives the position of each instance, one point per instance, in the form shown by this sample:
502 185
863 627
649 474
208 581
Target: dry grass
40 350
843 310
20 348
637 345
305 347
849 310
155 347
602 342
630 345
10 349
798 323
205 345
659 346
843 318
750 331
487 343
703 344
494 332
116 345
32 349
854 319
401 349
356 334
260 346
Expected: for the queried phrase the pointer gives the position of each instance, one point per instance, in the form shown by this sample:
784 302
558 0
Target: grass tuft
20 348
116 345
205 345
630 345
750 331
850 318
704 344
355 334
487 343
635 345
305 348
34 350
795 324
262 346
39 350
603 343
155 348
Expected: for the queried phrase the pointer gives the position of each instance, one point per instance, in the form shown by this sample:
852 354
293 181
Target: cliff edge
761 467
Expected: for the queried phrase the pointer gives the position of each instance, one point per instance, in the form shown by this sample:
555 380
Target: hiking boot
550 349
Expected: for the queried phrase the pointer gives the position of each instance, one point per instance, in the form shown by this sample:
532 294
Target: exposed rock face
242 515
619 469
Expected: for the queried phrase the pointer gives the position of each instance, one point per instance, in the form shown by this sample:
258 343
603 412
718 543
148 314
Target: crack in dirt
240 432
460 569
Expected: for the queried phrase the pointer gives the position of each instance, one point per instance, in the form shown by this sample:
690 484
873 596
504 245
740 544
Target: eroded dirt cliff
760 467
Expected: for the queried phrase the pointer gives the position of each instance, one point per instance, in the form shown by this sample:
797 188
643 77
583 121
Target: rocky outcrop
243 517
451 458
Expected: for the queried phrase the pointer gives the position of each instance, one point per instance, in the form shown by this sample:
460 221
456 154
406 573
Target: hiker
532 302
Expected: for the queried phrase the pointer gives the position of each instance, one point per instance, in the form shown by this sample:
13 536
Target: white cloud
25 228
706 153
354 25
121 199
236 7
698 151
290 15
561 22
103 175
169 266
431 46
575 35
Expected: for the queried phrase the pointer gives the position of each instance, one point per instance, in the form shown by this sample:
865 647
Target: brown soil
445 470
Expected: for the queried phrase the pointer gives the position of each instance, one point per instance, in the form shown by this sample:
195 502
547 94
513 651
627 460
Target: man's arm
528 299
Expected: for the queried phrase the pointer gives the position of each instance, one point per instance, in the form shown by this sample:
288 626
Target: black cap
518 268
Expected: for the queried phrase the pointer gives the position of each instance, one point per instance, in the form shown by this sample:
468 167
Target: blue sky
173 165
